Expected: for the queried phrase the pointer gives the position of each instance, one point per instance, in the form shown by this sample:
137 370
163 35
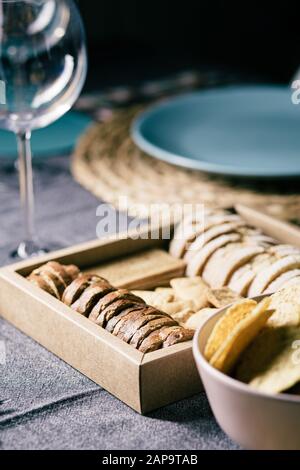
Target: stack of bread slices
225 251
119 311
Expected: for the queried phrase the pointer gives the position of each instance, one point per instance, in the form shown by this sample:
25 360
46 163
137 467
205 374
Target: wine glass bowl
43 65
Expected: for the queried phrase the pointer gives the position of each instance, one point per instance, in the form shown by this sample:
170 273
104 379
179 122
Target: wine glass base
30 249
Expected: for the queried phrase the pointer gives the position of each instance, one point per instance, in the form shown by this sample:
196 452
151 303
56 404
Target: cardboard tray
142 381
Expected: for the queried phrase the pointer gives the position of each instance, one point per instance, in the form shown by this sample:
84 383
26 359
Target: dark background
130 40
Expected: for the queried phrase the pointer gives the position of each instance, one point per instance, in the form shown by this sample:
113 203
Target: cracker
241 337
286 304
168 292
191 289
152 297
183 316
292 282
174 308
164 302
270 363
224 327
199 318
220 298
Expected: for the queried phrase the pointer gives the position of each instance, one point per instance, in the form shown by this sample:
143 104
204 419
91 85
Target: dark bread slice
66 273
78 286
56 276
50 283
91 296
113 322
179 336
130 326
138 324
153 325
98 314
73 271
42 283
115 308
126 322
59 270
54 272
155 340
60 286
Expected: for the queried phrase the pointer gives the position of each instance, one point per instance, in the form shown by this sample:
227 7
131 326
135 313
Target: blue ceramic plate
57 139
251 131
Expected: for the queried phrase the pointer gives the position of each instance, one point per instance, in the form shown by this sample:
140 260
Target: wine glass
43 65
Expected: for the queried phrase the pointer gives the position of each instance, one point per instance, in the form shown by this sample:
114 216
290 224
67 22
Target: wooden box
142 381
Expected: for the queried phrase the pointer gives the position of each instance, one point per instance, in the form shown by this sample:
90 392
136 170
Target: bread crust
137 321
98 313
113 322
77 287
90 296
153 325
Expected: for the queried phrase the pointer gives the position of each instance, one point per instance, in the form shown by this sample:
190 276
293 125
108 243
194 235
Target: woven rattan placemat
110 165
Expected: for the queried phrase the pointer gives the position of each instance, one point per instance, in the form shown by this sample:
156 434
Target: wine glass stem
26 183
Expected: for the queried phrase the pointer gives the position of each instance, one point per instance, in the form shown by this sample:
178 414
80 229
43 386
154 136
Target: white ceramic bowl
253 419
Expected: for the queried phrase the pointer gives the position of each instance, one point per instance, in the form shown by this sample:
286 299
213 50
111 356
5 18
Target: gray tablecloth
51 405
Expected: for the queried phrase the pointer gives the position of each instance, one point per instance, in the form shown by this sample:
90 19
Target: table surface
51 405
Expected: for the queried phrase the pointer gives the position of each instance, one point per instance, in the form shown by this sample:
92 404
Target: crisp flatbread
271 364
186 233
241 337
197 263
286 304
265 277
284 250
292 282
220 298
209 235
222 265
223 328
242 278
282 280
